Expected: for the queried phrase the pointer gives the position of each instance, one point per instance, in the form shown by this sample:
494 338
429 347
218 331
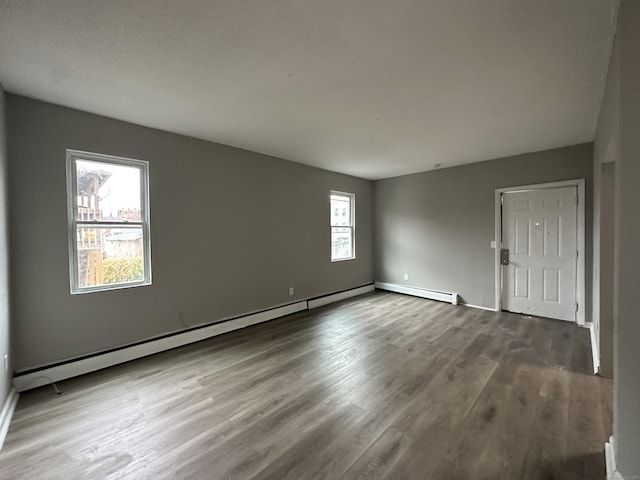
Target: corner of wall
5 377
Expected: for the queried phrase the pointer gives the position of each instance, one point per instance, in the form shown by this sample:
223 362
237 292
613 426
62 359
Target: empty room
297 239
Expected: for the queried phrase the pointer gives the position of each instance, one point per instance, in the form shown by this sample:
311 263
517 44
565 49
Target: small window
342 226
108 212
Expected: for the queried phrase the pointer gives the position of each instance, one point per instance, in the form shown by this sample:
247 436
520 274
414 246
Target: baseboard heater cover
336 297
44 375
419 292
37 378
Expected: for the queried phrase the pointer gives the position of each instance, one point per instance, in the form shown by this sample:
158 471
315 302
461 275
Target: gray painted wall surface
605 150
231 230
437 226
607 241
626 402
5 329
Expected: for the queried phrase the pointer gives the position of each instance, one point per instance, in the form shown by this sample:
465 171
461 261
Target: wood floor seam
379 386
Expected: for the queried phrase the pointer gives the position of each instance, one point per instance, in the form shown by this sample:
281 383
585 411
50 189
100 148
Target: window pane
108 255
106 191
340 210
341 244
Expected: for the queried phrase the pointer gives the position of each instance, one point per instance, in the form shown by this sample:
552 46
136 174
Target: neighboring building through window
108 211
342 226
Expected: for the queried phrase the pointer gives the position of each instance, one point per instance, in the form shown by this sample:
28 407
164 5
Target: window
342 226
108 212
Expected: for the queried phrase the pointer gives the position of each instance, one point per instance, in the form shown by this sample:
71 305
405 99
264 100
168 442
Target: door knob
504 256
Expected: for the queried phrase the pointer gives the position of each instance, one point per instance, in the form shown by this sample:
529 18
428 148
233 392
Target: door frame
580 267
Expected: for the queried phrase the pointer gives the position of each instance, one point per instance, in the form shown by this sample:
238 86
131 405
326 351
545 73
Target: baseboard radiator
43 375
449 297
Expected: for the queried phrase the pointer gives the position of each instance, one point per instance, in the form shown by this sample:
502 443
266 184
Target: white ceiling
372 88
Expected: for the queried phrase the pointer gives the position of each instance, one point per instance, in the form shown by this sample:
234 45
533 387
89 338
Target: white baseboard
73 368
7 412
99 361
419 292
595 355
610 461
490 309
336 297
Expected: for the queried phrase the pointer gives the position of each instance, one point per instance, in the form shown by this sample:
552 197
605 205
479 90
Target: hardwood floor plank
379 386
311 446
546 450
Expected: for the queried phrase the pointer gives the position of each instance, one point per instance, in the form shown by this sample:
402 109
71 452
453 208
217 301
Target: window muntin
342 226
108 213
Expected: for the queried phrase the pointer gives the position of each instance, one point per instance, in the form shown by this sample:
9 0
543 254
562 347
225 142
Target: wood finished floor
381 386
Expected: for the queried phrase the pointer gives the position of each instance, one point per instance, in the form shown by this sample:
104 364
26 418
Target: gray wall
5 378
231 230
437 225
605 151
607 241
626 402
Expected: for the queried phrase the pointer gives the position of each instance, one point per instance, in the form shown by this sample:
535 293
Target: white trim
352 223
477 306
580 268
73 156
419 292
610 461
122 355
336 297
7 413
498 240
582 255
594 348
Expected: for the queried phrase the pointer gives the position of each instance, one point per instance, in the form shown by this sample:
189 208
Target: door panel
551 284
539 227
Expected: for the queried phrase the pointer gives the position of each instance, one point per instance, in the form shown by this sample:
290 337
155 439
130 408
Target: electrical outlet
290 291
493 244
6 363
406 276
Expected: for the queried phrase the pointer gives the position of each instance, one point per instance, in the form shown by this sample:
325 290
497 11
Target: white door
539 230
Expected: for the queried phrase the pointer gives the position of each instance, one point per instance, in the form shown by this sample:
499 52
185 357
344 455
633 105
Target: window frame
352 225
73 223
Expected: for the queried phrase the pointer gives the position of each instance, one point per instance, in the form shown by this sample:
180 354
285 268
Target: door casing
580 274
